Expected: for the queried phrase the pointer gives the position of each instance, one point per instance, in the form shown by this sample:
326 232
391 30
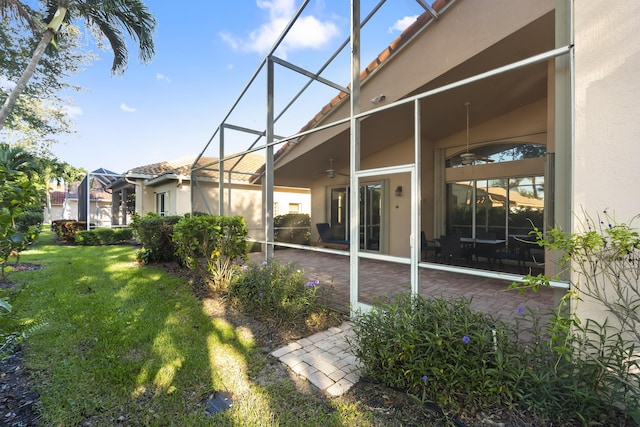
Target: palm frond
21 12
115 17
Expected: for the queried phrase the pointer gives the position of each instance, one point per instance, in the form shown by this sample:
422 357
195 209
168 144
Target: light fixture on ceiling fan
469 158
331 172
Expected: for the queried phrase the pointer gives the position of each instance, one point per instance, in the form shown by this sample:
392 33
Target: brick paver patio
381 279
324 358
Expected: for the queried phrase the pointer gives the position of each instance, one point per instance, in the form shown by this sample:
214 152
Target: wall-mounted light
378 98
399 190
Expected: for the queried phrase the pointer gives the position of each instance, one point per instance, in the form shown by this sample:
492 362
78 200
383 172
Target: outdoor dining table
491 244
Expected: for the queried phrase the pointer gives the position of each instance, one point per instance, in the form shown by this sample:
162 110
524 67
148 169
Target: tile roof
182 167
179 167
57 197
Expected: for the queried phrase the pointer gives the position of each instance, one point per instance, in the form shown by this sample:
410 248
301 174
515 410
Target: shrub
211 244
29 223
605 260
103 236
443 352
276 293
66 229
438 348
154 233
87 238
292 228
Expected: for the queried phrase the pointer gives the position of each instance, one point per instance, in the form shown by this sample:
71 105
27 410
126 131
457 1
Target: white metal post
268 175
354 155
221 174
416 241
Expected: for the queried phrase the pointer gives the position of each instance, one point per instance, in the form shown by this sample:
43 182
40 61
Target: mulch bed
17 398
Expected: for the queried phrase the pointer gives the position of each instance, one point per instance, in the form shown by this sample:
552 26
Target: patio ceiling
443 115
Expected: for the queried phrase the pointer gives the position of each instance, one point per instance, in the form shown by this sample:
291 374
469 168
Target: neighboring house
164 188
519 103
99 198
69 201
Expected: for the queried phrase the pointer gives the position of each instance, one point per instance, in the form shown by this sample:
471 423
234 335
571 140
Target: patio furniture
327 239
483 247
452 250
514 251
429 246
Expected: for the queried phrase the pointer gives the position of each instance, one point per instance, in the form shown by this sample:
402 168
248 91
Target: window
294 208
504 206
500 153
162 202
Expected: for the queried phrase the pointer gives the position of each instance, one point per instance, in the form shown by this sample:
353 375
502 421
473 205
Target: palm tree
108 18
15 160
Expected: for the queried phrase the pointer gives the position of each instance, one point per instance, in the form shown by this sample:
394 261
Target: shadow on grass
125 343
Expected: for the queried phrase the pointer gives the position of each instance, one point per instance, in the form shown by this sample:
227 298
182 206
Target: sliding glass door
371 200
370 215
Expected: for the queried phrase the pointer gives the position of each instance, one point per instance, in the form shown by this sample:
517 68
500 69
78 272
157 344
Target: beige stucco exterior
606 147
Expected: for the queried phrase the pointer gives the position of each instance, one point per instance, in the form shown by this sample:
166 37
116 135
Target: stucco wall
607 101
246 201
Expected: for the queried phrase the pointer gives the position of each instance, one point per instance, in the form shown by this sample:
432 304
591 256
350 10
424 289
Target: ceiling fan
469 158
331 172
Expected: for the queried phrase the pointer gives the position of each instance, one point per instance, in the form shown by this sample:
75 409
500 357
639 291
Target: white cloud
162 77
402 24
229 39
124 107
73 111
307 32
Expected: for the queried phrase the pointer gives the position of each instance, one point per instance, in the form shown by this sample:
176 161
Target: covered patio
413 147
382 280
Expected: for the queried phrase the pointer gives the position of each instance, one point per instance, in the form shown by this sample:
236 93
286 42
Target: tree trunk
51 30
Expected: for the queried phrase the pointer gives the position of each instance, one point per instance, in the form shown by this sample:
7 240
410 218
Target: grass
123 343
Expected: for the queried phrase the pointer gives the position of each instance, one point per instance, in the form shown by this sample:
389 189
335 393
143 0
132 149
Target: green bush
103 236
154 233
292 228
211 244
604 259
466 361
276 293
66 229
87 238
29 223
436 347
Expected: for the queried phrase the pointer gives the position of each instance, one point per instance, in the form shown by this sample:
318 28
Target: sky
206 52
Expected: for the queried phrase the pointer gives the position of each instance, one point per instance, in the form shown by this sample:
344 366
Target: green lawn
121 343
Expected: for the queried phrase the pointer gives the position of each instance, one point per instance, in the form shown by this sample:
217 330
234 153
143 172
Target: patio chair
327 239
513 251
452 250
429 246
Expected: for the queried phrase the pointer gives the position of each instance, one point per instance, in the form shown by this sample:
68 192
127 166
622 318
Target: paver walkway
323 359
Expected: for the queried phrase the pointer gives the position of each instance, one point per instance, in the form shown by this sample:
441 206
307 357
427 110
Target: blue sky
205 54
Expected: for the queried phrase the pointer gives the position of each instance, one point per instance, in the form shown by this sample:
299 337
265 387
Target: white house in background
165 189
69 201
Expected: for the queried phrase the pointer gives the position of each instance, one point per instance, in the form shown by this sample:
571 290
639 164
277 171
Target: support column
354 155
267 183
